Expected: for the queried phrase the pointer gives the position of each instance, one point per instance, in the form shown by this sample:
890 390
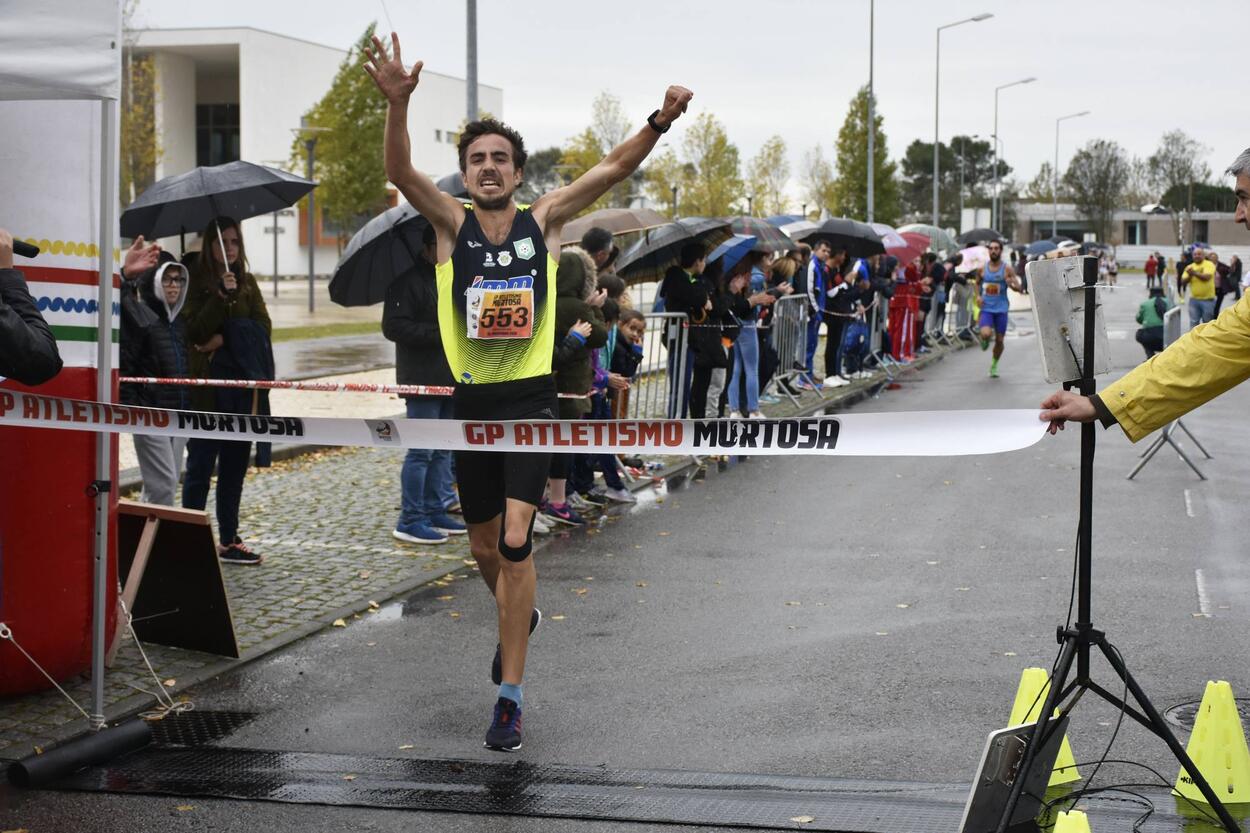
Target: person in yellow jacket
1202 364
1199 276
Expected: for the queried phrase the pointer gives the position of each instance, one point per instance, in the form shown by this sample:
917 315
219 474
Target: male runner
995 278
496 307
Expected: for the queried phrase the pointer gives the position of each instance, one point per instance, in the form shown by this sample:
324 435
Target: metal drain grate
1184 714
197 728
520 788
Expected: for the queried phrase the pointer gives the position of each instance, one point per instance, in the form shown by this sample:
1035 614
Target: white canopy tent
70 50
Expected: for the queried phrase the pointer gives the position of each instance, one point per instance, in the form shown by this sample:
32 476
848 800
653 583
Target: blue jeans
1201 312
425 479
746 360
813 336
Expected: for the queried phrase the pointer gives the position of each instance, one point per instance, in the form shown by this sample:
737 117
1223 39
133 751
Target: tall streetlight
962 139
1054 191
309 134
937 90
994 218
470 79
871 121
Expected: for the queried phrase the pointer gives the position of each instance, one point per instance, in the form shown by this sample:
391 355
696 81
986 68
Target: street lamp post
470 80
871 121
994 218
309 133
962 139
674 202
751 206
1054 191
937 90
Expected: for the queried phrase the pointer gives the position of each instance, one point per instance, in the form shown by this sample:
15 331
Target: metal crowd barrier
788 337
658 389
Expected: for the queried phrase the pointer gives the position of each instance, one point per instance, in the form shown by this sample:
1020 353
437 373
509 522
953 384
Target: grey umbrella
190 201
859 239
385 247
650 257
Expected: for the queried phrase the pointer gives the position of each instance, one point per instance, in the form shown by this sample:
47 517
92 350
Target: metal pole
470 79
674 202
311 144
872 158
750 206
961 182
1054 190
107 235
994 196
275 254
937 91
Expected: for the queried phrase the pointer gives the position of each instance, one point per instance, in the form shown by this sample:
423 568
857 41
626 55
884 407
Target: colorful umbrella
768 238
732 251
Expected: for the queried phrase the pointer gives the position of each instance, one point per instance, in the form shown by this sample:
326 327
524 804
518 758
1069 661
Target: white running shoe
836 382
757 415
541 525
735 415
620 495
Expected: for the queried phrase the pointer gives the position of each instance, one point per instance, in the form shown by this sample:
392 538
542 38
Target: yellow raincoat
1202 364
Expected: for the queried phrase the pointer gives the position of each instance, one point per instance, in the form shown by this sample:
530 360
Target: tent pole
107 237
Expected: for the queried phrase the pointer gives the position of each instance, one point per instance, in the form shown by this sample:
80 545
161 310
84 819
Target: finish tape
905 434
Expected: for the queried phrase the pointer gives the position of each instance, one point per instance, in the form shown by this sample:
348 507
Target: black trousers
836 325
230 458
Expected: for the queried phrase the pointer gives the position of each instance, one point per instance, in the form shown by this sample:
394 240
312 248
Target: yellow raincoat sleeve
1201 365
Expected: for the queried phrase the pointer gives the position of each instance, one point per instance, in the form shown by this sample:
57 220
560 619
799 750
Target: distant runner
995 278
496 278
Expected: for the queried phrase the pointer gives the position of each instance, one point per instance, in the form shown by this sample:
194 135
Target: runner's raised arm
397 84
555 208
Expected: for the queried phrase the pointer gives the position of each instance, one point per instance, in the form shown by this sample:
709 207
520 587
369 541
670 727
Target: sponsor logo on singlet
522 282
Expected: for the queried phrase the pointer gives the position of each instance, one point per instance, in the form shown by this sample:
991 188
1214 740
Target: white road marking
1204 601
1189 504
1117 335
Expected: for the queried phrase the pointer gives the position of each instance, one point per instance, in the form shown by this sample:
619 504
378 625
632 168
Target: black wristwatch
656 127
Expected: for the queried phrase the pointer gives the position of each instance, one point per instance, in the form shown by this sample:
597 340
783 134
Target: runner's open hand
676 100
388 73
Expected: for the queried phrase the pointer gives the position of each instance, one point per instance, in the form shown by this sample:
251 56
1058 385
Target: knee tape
516 554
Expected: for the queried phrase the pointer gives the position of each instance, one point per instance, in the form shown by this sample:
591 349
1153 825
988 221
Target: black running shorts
486 478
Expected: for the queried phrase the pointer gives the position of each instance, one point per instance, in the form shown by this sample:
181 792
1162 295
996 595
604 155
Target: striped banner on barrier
913 433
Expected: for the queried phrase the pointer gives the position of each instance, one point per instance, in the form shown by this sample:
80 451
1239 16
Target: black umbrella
385 247
859 239
980 236
659 249
768 237
190 201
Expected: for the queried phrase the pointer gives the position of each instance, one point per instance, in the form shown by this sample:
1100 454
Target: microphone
21 247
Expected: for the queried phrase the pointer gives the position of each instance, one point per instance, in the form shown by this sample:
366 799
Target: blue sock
512 692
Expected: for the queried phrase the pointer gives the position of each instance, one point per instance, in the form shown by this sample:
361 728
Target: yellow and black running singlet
496 304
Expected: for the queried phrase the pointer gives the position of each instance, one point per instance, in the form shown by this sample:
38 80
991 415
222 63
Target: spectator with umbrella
226 314
410 319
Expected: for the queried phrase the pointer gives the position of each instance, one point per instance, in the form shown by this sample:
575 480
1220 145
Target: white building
238 93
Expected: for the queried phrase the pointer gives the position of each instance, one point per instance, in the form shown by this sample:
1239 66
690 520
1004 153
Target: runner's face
490 176
996 252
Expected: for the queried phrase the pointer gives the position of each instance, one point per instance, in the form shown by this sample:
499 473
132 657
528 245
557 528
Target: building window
1201 232
438 135
216 134
1134 232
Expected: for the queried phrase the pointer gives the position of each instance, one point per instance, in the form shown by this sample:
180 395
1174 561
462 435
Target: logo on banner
383 431
524 249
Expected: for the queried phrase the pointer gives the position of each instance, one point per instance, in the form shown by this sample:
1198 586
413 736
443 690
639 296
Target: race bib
991 289
500 313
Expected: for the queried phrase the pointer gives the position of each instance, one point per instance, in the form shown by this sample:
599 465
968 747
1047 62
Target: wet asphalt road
826 617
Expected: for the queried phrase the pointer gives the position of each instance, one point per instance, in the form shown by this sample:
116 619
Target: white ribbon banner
906 434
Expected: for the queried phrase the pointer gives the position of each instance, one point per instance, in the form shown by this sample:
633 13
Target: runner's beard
492 204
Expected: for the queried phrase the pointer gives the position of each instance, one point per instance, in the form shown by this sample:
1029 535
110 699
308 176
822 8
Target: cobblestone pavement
323 522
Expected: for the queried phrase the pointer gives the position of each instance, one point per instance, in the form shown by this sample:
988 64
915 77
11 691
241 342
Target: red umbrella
917 244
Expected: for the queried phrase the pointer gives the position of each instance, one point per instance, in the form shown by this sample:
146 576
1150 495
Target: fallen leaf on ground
349 777
455 614
662 534
883 633
170 683
933 563
640 584
365 573
903 605
802 819
581 591
794 604
588 578
963 589
469 562
374 604
559 617
407 746
182 808
444 598
370 644
1009 653
339 623
296 600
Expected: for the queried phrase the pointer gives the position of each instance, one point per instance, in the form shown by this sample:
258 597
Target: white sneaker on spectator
756 415
541 525
620 495
735 415
835 382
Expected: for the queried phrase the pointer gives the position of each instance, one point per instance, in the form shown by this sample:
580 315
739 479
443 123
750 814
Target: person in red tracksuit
905 314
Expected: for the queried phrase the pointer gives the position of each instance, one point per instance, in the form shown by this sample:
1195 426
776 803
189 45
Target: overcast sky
791 66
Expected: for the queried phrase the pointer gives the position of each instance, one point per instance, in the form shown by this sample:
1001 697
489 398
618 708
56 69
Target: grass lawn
351 328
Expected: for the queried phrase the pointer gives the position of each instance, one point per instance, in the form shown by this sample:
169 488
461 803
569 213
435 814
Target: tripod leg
1149 453
1062 668
1180 453
1160 728
1185 428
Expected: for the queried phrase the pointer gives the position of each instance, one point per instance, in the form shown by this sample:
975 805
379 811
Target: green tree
916 168
707 174
1042 187
543 173
608 128
817 180
139 146
851 152
1175 167
349 154
767 174
1098 177
663 172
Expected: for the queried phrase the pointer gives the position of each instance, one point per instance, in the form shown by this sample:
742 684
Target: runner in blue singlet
995 278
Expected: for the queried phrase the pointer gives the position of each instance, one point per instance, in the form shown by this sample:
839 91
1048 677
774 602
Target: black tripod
1076 641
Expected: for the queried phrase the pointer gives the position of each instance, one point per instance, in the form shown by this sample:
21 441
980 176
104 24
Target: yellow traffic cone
1073 821
1218 748
1030 695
